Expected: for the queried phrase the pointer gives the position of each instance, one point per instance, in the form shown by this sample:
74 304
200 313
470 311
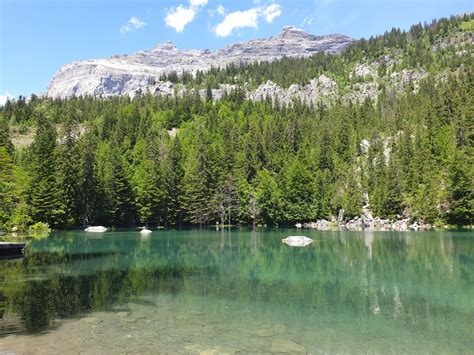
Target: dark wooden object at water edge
10 250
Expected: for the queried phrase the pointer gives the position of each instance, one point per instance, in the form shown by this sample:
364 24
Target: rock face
318 88
126 74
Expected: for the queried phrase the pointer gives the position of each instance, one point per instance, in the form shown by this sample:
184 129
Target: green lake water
240 291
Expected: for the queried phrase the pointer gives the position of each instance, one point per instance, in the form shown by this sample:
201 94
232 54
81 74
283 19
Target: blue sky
38 36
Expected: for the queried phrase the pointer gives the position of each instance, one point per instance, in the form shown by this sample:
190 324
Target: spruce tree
6 174
6 186
173 180
298 192
461 191
197 187
90 199
44 194
68 182
268 196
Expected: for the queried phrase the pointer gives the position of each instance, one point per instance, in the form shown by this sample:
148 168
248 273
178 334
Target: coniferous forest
186 160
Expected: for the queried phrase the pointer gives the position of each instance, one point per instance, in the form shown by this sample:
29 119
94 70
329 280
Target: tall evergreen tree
44 194
6 173
90 199
268 197
68 172
298 192
197 185
173 180
461 191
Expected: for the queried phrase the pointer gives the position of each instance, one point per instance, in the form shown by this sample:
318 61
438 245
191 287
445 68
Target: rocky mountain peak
165 46
290 32
122 75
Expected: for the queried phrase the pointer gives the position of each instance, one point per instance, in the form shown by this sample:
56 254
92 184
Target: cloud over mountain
178 17
133 24
248 18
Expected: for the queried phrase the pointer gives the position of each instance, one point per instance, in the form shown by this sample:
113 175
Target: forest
186 160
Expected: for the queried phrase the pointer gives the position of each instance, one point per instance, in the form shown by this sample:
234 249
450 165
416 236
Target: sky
38 36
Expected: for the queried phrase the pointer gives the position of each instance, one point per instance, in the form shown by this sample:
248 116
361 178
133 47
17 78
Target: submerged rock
265 332
287 346
279 328
122 314
90 320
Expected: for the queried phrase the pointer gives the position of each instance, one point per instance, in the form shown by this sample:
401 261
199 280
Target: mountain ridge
126 74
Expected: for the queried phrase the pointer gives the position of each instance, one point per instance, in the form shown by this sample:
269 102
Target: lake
208 291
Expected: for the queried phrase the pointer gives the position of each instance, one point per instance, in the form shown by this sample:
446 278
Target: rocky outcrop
317 90
127 74
366 222
370 224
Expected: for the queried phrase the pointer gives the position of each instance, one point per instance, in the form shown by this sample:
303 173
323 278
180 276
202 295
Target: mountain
125 74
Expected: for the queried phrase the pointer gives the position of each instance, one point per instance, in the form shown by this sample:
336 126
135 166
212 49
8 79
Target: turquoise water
198 291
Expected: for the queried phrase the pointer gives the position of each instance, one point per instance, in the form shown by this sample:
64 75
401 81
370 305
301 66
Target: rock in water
128 74
297 241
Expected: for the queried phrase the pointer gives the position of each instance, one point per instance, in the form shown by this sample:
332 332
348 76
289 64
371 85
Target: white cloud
197 3
237 19
271 12
307 21
248 18
4 98
221 10
133 24
179 17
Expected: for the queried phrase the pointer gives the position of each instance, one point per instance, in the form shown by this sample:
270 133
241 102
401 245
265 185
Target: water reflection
419 281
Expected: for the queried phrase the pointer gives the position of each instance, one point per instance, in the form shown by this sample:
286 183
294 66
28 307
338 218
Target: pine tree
298 192
90 199
6 174
118 195
461 191
44 194
5 139
148 196
6 186
268 195
173 180
208 93
197 187
68 172
353 196
392 202
147 182
322 195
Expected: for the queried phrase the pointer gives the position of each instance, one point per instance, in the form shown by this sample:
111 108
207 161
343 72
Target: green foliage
468 26
21 216
39 227
268 196
39 230
461 191
298 192
6 186
44 193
